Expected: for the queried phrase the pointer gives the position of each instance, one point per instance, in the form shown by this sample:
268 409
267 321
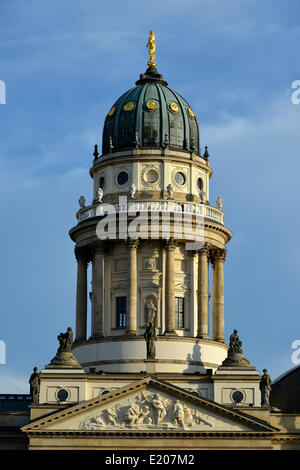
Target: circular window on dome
129 106
174 107
102 182
191 113
62 395
179 178
151 176
112 111
237 396
200 183
122 178
151 105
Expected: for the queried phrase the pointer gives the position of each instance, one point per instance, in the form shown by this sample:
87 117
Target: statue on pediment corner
265 386
64 356
34 382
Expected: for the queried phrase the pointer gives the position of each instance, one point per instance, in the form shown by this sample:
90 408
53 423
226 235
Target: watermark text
2 92
2 352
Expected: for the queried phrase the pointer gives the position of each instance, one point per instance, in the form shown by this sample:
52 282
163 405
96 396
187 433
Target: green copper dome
152 116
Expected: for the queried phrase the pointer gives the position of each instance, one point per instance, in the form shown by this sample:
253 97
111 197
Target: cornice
155 155
262 427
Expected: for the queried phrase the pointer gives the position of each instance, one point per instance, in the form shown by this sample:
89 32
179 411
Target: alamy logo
2 352
296 354
2 92
152 220
296 95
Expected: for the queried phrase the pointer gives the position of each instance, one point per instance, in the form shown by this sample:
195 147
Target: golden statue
151 49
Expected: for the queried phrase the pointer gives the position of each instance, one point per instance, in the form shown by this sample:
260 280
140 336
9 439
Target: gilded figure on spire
151 49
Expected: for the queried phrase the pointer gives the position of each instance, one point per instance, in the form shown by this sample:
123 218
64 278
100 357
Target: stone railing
133 207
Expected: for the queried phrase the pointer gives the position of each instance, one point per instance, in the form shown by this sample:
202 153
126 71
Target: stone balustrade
203 210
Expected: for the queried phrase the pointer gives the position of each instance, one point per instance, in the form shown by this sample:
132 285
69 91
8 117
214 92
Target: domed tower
150 189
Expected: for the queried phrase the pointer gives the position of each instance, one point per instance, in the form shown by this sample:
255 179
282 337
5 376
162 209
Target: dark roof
153 116
10 402
285 394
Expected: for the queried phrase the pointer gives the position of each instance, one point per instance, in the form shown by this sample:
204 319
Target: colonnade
96 255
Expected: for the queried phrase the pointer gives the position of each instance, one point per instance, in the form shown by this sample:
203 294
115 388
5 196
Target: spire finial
151 49
96 153
206 154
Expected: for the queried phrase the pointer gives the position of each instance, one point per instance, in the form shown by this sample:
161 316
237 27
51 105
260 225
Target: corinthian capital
82 256
218 255
170 244
132 244
205 250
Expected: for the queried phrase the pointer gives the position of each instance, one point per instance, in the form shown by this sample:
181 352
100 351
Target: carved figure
93 422
234 343
170 191
100 194
132 190
145 415
35 385
199 419
151 49
219 203
188 416
160 406
178 414
65 341
265 388
202 196
151 310
132 415
150 336
150 264
111 416
81 201
98 421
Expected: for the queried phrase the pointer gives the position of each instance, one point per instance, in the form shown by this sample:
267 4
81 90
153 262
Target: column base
78 340
203 336
131 332
170 333
97 335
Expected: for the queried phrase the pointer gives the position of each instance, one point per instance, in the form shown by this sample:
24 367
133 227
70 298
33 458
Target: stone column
81 295
97 292
203 292
131 320
193 255
218 258
170 288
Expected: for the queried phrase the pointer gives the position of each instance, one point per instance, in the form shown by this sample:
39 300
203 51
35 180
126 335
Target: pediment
148 405
149 285
182 287
119 286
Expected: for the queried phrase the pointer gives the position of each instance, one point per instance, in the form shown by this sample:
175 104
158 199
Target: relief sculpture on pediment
147 410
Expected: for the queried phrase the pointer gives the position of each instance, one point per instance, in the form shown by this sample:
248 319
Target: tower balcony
202 210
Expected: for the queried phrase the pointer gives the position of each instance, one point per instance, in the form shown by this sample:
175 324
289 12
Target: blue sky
64 64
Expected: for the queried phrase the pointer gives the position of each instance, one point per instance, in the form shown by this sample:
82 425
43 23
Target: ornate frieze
147 411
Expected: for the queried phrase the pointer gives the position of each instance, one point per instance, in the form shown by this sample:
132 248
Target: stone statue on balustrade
265 389
34 382
81 201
